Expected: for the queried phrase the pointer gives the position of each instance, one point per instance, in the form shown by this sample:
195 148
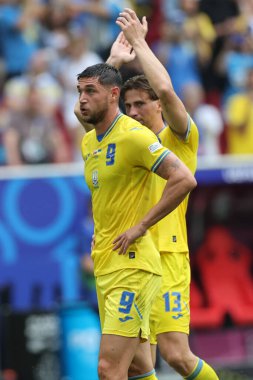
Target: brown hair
138 82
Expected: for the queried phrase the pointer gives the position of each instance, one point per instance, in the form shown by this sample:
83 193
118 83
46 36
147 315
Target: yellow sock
202 371
146 376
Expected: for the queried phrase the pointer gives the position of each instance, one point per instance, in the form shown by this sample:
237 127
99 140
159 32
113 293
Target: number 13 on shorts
172 301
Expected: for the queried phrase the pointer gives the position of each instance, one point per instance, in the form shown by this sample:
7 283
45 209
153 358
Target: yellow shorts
170 311
125 298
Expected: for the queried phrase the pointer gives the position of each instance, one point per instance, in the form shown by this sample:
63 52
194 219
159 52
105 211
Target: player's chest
105 164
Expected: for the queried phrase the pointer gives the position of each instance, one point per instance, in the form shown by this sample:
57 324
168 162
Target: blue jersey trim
142 376
100 137
196 371
159 160
188 130
188 127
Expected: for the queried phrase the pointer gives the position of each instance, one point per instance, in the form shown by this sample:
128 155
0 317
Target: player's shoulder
90 134
134 127
88 137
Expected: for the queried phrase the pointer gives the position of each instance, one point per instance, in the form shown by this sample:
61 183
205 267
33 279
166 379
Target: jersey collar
100 137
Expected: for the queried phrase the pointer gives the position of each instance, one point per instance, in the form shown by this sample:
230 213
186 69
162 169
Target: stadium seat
224 267
203 316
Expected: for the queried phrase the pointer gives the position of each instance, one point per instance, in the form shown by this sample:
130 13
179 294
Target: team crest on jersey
154 147
95 178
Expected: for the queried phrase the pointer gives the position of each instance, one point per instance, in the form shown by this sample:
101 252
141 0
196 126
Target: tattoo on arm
169 164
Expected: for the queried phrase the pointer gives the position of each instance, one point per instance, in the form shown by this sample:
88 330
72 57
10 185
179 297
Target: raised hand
121 52
132 27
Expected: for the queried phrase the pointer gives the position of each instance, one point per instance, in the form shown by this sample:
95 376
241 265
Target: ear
115 93
159 107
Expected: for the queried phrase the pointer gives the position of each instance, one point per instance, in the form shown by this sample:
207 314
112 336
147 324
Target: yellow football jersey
118 168
172 230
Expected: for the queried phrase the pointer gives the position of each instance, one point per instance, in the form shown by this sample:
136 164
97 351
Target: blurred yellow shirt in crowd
239 115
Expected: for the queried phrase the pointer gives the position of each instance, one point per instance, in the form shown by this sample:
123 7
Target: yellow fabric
170 311
206 28
203 33
117 172
202 371
240 125
124 300
172 229
152 377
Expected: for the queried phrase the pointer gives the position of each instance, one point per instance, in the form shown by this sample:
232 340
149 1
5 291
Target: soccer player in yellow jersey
120 155
152 101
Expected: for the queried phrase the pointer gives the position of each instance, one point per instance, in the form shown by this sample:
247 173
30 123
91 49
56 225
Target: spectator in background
239 117
246 9
234 61
225 18
77 57
177 56
19 34
32 134
3 158
207 117
87 264
154 11
223 14
98 17
198 30
197 36
171 10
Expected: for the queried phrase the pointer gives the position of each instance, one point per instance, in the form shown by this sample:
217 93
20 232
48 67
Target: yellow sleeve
144 149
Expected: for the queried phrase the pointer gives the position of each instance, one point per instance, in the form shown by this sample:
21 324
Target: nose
132 112
82 98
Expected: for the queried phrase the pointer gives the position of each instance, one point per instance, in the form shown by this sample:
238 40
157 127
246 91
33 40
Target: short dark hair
138 82
107 75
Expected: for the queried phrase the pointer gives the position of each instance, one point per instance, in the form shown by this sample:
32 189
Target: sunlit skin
98 103
140 107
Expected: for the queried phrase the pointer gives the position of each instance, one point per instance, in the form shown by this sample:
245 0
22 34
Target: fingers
122 21
120 37
131 13
145 23
128 18
124 40
121 243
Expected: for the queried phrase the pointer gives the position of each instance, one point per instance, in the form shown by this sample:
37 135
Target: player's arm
180 182
121 53
88 127
173 109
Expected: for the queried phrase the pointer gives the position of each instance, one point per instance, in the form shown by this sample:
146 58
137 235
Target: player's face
94 100
140 107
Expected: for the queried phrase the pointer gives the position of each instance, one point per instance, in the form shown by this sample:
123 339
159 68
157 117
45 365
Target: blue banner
41 239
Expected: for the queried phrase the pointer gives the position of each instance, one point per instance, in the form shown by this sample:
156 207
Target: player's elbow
190 182
165 92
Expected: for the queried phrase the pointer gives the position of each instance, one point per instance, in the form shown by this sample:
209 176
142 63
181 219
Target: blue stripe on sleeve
159 160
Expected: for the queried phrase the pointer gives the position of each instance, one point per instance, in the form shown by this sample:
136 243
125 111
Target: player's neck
158 126
102 126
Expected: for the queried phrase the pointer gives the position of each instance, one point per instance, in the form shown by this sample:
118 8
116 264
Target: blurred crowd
206 45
